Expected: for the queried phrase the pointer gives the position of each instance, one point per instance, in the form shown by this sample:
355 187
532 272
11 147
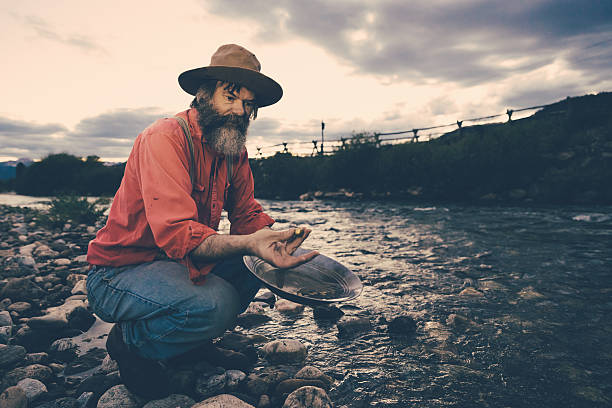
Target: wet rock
39 339
5 334
63 349
80 288
20 307
44 251
98 384
437 331
35 371
266 297
458 323
75 278
11 355
313 373
27 262
210 385
27 250
93 358
4 303
308 397
80 318
118 397
222 401
86 400
57 317
264 402
288 307
108 365
255 315
284 351
529 293
21 289
6 326
404 325
256 385
288 386
171 401
61 262
353 326
490 285
471 292
32 388
37 358
63 402
13 397
49 321
233 378
327 313
239 341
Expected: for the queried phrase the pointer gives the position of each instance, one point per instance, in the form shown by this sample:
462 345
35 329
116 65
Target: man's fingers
295 244
293 261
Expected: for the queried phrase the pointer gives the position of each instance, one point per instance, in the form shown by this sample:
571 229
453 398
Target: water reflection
512 304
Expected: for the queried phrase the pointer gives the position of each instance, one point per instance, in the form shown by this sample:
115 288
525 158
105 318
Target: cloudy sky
86 77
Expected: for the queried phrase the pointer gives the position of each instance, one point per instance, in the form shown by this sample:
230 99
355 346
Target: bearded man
159 269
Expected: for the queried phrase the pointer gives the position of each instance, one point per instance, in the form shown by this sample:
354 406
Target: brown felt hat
233 63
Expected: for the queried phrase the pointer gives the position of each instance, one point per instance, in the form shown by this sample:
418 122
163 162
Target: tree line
561 154
63 173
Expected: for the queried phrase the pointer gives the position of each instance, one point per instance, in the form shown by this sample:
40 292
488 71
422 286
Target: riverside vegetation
562 154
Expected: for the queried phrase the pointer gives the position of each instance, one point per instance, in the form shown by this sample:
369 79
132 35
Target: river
538 327
513 304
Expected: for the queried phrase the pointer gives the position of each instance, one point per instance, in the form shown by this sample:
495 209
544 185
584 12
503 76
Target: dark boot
218 357
144 377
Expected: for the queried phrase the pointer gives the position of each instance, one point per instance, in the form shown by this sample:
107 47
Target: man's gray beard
226 134
226 140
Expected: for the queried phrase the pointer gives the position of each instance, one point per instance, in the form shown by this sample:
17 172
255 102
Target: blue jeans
161 312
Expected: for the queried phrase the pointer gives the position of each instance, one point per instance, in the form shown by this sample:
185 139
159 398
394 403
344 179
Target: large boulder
353 326
10 355
171 401
32 388
36 371
118 397
286 351
308 397
13 397
21 289
223 401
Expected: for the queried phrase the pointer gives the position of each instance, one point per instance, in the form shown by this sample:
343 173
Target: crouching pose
159 269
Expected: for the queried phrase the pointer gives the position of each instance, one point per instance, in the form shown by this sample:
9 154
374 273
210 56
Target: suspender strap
229 159
192 172
187 133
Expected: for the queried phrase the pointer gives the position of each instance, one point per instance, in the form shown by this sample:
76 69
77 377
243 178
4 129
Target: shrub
72 208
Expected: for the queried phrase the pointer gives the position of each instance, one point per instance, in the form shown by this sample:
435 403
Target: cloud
110 134
467 42
9 128
46 31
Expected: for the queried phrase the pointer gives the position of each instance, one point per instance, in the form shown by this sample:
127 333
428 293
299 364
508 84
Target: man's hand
274 247
277 247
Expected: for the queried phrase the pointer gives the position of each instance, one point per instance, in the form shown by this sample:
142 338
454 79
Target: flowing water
513 304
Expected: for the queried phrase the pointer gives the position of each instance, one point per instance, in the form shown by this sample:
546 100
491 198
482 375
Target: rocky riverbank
52 346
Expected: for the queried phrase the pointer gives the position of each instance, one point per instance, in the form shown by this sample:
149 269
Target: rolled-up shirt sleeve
166 189
244 212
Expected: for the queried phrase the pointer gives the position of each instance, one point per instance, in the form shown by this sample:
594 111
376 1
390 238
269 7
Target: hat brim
267 91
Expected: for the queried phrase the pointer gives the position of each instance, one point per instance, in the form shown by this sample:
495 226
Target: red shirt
157 208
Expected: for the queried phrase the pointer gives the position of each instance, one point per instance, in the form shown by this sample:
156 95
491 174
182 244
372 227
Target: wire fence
422 134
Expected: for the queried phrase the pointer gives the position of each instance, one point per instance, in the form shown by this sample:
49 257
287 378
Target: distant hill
561 154
8 169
